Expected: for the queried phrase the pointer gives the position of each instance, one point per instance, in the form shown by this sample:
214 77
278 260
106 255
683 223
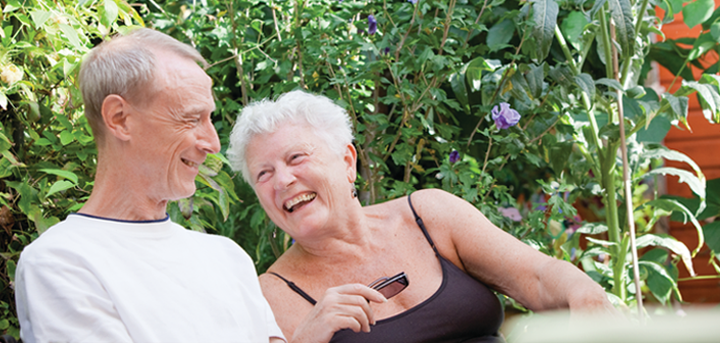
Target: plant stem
627 182
606 41
587 104
487 154
700 277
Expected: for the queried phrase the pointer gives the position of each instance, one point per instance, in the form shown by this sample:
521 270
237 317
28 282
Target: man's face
173 132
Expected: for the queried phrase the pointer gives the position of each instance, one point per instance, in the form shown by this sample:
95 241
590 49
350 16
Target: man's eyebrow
196 110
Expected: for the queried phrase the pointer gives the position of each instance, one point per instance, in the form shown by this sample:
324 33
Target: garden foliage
513 106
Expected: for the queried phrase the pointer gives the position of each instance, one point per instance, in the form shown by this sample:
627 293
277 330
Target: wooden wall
703 146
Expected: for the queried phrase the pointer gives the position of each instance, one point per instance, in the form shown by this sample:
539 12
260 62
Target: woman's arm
467 238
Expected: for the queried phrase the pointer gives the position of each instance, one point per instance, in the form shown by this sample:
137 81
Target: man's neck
117 195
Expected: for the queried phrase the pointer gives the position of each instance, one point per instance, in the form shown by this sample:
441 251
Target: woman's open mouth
298 201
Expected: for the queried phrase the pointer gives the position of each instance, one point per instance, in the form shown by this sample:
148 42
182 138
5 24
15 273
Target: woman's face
300 182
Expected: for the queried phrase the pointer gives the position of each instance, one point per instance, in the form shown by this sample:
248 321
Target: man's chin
184 193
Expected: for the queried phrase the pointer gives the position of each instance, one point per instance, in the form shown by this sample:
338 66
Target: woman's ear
350 158
115 113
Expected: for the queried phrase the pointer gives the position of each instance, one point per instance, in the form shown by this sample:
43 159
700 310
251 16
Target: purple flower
454 156
505 117
511 213
386 51
372 24
413 1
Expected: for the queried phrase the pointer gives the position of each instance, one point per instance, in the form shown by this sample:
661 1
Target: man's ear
350 157
115 112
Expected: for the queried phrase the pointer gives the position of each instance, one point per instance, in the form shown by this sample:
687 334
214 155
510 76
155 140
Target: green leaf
709 98
673 155
59 186
457 82
60 172
659 281
563 75
224 202
5 168
520 88
28 195
670 205
535 80
3 101
586 84
12 5
474 70
712 20
715 32
39 18
71 35
66 137
697 183
668 242
111 12
678 107
671 55
658 255
559 156
5 143
500 34
596 7
610 83
544 15
702 44
592 228
712 236
621 12
697 12
656 131
11 267
572 28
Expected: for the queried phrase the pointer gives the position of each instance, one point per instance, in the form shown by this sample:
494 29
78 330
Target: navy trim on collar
167 216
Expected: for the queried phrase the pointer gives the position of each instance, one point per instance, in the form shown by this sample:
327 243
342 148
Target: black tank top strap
297 289
420 223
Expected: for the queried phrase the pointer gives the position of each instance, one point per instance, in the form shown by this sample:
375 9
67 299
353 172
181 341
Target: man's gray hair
125 65
328 121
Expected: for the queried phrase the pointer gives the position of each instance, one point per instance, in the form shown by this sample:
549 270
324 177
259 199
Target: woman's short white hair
329 122
125 65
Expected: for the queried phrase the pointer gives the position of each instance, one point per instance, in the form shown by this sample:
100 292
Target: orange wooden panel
702 144
701 129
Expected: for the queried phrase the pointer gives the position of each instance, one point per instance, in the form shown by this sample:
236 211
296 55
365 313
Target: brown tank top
461 310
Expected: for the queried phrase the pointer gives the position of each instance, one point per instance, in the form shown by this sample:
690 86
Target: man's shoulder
63 237
213 242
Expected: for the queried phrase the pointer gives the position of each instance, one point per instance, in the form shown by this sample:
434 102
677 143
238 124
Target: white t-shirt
91 279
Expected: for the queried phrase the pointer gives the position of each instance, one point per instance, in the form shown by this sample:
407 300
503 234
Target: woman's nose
284 178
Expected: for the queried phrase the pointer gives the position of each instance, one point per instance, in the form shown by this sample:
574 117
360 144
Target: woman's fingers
351 300
342 307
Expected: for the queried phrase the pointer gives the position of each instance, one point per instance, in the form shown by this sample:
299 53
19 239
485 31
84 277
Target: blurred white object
696 326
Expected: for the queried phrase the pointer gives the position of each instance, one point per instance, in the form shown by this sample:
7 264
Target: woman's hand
342 307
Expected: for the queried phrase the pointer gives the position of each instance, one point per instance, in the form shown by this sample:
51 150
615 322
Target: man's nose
209 142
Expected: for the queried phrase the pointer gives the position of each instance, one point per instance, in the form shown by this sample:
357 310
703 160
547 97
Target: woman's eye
262 176
296 157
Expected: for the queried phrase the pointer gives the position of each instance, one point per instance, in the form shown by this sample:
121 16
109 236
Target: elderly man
120 270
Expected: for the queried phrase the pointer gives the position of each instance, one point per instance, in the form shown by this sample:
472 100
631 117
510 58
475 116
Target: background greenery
418 87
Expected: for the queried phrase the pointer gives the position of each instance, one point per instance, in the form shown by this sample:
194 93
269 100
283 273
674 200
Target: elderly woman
297 154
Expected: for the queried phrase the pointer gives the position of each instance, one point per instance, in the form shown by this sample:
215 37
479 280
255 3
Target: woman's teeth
289 206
